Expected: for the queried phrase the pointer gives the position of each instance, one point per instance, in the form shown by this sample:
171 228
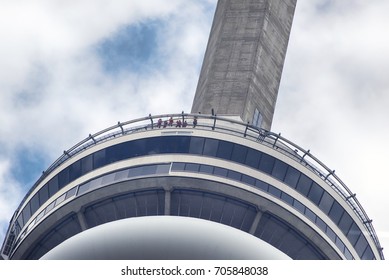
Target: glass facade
65 229
284 237
213 148
233 175
213 207
107 179
188 203
136 204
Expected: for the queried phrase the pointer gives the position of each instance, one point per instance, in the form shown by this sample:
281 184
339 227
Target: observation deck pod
197 166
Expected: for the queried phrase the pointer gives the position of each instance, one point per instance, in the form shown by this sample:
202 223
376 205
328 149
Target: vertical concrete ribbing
82 221
255 223
244 58
167 201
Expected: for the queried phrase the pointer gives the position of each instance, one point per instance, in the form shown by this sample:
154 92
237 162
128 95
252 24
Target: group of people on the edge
178 123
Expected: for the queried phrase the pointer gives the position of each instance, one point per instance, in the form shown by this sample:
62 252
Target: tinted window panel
368 254
326 202
53 186
50 207
63 178
220 171
331 234
60 199
113 154
345 223
234 175
310 215
248 180
274 191
20 220
304 184
26 213
279 170
253 157
40 215
354 233
299 206
239 153
156 145
99 159
287 198
121 175
315 193
336 212
86 164
225 149
178 166
43 194
126 150
135 172
162 169
321 224
71 192
83 188
148 170
348 254
206 169
75 170
182 144
266 164
136 148
292 176
192 167
361 245
196 145
339 244
210 147
34 203
262 185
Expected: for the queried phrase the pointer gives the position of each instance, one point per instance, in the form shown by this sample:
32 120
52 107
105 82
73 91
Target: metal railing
223 125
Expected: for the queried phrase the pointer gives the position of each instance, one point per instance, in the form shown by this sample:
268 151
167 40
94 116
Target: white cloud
55 74
10 195
54 89
333 97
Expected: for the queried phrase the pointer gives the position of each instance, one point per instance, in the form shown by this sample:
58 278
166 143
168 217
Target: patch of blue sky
27 166
133 48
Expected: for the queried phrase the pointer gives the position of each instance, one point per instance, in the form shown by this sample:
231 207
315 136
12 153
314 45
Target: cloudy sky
70 68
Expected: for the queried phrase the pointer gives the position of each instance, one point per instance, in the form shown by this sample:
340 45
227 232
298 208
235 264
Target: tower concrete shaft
244 58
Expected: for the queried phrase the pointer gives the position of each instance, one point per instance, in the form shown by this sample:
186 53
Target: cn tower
215 183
